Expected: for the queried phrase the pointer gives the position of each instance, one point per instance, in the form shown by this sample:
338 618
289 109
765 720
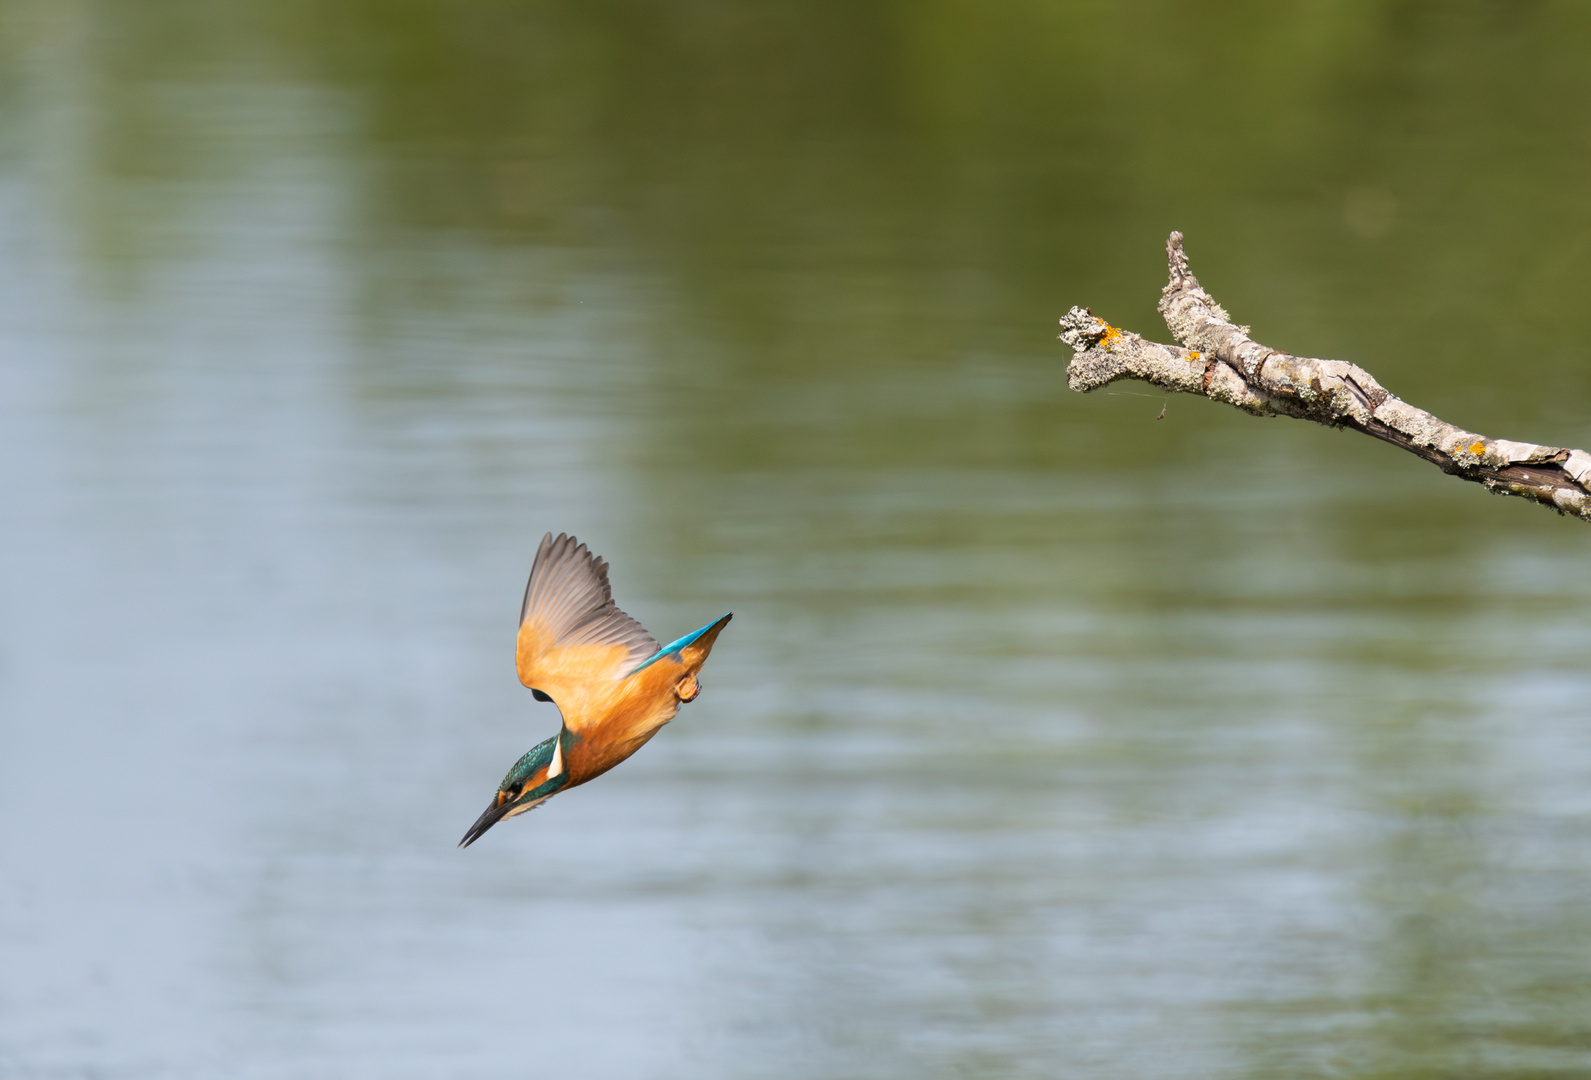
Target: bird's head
533 780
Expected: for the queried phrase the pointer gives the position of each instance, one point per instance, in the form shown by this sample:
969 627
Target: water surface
1049 739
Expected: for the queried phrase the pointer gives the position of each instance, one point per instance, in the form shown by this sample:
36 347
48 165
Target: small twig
1219 360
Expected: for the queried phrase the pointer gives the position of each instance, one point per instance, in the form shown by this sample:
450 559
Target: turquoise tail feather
673 648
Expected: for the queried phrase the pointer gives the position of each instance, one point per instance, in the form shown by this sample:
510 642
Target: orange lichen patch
1109 337
1478 449
1194 355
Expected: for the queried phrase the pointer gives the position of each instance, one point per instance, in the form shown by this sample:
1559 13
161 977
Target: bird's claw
687 688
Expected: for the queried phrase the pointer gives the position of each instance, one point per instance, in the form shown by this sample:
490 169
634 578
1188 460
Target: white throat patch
555 768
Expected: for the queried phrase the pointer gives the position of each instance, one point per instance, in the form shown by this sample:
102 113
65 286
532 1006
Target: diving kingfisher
614 686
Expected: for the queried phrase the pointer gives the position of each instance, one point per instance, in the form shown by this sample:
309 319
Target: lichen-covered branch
1217 359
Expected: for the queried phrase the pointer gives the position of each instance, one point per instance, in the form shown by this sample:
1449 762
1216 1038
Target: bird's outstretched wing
574 642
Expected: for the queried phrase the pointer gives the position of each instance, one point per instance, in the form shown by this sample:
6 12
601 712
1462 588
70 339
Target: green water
1049 739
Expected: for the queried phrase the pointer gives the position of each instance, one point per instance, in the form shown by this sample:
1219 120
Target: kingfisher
613 684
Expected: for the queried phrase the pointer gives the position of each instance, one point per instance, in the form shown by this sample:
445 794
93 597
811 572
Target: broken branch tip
1177 258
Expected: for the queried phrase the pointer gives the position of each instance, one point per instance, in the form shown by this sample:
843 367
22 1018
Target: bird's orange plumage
612 713
607 675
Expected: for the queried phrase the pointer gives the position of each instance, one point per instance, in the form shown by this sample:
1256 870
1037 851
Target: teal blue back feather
673 647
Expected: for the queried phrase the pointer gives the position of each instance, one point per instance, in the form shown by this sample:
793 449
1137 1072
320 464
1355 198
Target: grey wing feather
569 592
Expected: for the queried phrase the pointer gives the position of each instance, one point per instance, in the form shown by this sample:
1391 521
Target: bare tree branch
1219 360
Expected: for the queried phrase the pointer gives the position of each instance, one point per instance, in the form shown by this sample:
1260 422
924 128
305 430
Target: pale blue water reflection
1049 739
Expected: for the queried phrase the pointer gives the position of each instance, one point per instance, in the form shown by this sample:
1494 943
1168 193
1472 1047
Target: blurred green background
1049 739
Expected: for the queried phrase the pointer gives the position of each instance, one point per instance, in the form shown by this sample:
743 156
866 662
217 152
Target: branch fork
1217 359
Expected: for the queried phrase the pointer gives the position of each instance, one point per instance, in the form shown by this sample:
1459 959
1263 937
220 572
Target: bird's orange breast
626 717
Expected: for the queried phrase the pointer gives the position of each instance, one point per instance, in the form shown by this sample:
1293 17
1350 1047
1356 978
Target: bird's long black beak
494 814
